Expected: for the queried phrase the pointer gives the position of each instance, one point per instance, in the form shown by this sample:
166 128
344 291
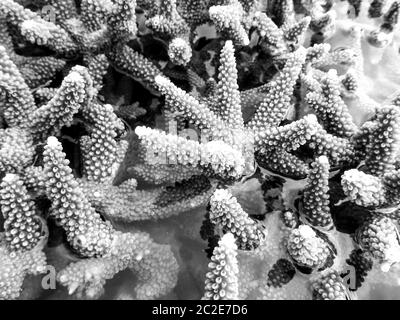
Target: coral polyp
199 149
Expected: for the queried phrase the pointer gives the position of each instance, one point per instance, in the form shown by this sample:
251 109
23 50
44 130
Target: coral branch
316 197
222 279
18 98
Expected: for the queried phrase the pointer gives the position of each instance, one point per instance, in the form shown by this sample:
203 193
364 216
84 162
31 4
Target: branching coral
17 150
228 20
18 211
329 107
91 237
75 91
307 249
379 237
385 142
222 279
38 71
153 263
168 22
22 243
126 203
273 127
276 104
226 213
329 287
18 100
215 156
85 230
316 197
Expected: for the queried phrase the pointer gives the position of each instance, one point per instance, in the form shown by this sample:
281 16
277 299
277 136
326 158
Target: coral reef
214 149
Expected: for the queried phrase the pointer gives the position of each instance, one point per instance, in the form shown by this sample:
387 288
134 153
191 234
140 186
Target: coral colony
199 149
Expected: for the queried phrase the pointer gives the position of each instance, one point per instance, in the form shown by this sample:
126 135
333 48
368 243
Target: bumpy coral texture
188 149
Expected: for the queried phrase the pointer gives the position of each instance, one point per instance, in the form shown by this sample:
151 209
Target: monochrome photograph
192 150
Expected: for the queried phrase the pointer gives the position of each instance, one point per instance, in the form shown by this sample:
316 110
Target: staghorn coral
93 238
228 21
148 137
126 203
222 279
22 228
179 51
378 236
329 108
329 287
226 213
168 22
38 71
307 249
134 251
74 92
18 100
17 149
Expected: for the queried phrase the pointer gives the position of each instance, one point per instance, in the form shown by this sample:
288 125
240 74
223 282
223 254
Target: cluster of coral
215 149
